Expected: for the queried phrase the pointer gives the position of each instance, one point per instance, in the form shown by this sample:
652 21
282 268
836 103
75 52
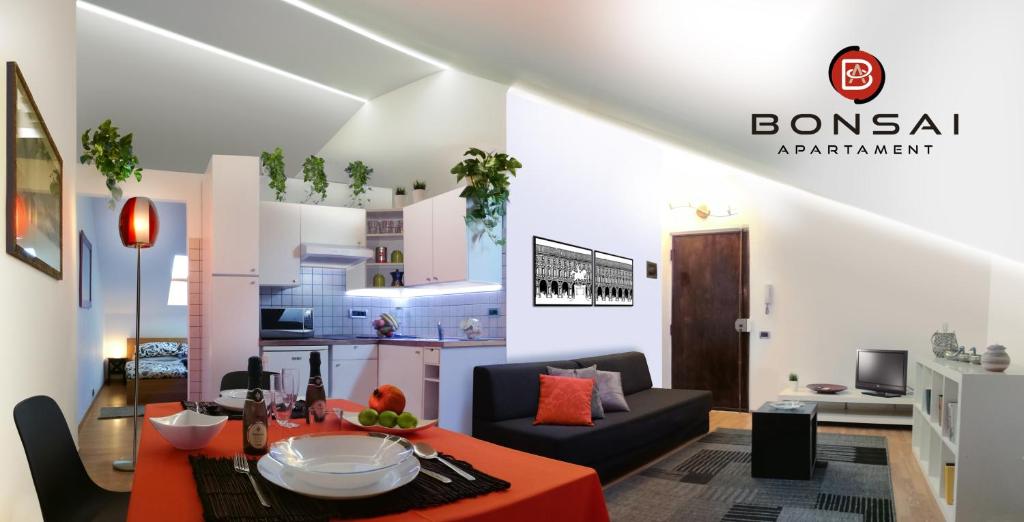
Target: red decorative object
827 389
139 223
564 401
387 397
21 217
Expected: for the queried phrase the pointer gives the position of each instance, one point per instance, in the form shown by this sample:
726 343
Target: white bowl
188 430
341 461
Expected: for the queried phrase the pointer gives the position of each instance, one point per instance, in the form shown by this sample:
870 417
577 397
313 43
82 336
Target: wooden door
450 241
709 292
418 242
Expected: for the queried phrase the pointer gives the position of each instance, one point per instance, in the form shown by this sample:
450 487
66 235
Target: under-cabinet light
416 291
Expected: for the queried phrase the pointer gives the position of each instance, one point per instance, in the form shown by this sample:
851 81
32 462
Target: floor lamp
138 226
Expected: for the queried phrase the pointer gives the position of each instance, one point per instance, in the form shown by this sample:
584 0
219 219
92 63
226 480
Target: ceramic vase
419 195
399 200
995 358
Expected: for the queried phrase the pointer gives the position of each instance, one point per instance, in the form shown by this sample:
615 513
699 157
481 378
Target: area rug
709 480
120 412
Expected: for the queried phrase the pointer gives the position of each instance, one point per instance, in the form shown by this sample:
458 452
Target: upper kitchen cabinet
325 225
279 243
440 248
231 215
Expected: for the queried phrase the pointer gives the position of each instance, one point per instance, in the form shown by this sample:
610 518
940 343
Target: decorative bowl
352 419
827 389
340 461
188 430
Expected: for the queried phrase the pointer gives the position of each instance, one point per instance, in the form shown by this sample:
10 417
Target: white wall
581 183
38 314
90 320
338 194
158 185
420 131
1006 307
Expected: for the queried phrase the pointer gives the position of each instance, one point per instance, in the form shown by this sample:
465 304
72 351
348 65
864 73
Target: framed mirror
35 175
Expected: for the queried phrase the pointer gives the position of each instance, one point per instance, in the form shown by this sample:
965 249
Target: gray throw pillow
596 410
609 386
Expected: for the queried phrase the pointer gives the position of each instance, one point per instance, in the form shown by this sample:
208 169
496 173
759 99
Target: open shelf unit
854 406
391 240
982 440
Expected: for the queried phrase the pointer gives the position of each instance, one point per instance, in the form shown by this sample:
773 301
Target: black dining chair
240 380
64 488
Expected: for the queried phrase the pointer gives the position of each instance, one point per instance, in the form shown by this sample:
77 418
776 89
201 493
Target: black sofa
505 400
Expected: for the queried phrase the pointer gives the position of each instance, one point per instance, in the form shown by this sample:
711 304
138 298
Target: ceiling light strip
316 11
118 17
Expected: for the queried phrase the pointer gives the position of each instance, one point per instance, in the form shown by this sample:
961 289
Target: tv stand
886 395
857 407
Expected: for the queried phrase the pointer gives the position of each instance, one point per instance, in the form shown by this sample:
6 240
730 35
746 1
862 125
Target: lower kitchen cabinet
402 366
353 372
278 358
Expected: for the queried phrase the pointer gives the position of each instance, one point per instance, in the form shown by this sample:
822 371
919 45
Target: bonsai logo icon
856 75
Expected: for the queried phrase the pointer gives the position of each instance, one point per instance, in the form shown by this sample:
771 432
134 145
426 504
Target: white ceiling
184 104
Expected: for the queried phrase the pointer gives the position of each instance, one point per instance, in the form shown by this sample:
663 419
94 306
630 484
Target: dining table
164 488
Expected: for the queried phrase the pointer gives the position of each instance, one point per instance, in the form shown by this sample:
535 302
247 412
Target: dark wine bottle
316 398
254 413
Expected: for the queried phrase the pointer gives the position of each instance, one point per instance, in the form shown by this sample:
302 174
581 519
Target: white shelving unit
393 241
986 444
855 407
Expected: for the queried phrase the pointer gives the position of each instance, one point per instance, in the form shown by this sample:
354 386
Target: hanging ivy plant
113 156
272 165
359 177
487 192
313 174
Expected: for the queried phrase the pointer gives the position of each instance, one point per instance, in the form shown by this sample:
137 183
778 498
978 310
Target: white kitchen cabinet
418 242
279 243
450 238
353 372
402 366
231 215
278 358
333 225
231 328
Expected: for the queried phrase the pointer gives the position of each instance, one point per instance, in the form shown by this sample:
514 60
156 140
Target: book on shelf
936 413
950 414
926 401
950 476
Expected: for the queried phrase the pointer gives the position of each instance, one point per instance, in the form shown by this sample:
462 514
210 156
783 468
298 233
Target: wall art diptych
613 280
562 274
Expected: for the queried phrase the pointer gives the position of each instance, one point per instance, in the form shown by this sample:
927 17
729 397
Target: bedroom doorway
710 291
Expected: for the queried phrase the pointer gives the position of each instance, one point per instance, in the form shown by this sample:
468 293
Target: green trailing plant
113 155
313 174
419 185
400 191
359 178
487 192
272 165
793 377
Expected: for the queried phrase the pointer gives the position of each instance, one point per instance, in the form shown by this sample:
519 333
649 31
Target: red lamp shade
138 223
21 219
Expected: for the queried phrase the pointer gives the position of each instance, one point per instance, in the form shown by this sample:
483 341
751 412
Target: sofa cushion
655 413
564 401
596 408
609 387
636 376
509 391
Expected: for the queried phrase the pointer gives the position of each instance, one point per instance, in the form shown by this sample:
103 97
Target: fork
242 466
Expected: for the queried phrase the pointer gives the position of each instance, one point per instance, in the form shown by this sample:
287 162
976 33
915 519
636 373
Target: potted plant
272 166
113 156
313 174
399 199
487 193
419 191
359 177
794 381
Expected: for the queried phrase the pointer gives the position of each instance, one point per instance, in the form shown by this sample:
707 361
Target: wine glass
285 389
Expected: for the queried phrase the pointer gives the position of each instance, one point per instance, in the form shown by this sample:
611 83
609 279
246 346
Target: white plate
352 419
341 461
395 478
233 400
787 405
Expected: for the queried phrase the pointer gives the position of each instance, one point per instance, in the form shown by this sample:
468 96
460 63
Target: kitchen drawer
349 352
432 356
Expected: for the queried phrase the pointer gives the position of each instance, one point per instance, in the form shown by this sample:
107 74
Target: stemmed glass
285 389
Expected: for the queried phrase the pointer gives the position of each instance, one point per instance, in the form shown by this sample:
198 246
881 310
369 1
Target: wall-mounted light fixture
704 211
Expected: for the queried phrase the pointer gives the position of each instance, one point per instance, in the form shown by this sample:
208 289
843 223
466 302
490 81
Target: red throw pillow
564 401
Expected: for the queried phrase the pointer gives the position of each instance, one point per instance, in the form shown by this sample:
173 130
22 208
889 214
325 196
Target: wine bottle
254 413
316 398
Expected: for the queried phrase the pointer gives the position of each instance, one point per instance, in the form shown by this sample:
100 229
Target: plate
827 389
786 405
395 478
341 460
352 419
233 400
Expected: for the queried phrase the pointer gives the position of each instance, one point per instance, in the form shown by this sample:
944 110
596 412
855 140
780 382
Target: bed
163 370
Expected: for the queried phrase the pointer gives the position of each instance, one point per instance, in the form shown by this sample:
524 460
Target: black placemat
211 408
227 496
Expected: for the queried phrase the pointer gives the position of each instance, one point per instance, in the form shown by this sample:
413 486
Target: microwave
286 323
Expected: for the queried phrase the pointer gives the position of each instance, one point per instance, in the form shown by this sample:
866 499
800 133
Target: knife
437 476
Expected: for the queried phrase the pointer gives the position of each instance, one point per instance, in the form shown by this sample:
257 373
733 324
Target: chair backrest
57 471
240 380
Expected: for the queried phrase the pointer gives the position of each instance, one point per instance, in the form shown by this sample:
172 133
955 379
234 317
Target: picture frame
613 276
562 273
35 181
84 271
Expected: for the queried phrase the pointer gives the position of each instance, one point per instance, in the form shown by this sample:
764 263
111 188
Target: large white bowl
341 461
188 430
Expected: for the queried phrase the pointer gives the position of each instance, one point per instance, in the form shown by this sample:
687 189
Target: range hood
341 256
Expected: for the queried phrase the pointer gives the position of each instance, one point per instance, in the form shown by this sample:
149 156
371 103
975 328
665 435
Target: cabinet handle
296 358
252 282
252 269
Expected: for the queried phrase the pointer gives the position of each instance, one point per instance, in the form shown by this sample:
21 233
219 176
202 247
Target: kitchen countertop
448 342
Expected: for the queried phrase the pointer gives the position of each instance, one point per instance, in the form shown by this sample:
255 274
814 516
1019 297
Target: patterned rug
709 480
120 412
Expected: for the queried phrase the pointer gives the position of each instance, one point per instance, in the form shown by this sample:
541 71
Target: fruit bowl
352 419
827 389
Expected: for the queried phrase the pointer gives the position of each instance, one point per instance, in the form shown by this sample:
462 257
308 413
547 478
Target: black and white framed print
562 274
613 280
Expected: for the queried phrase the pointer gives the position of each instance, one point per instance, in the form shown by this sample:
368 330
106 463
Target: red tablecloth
163 487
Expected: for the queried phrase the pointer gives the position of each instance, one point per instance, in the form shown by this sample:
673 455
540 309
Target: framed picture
613 280
84 271
35 175
562 274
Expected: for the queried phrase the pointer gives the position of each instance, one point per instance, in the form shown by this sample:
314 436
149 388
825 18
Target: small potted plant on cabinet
113 156
399 199
272 166
419 191
794 381
359 178
313 174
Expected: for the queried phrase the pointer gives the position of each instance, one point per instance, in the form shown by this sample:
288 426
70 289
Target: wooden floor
103 441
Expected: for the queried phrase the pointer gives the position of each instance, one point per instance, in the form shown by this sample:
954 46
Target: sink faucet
440 332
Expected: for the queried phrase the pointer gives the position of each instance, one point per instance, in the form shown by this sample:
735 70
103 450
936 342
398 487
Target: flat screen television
882 372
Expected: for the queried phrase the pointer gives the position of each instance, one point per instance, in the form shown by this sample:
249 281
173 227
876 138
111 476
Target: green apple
388 419
407 420
368 417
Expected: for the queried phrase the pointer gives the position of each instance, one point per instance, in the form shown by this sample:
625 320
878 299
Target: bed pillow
564 401
161 349
609 389
596 409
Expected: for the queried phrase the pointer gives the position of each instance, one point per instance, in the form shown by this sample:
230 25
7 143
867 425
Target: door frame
744 337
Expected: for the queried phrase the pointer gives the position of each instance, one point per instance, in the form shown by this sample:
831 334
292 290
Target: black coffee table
784 442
